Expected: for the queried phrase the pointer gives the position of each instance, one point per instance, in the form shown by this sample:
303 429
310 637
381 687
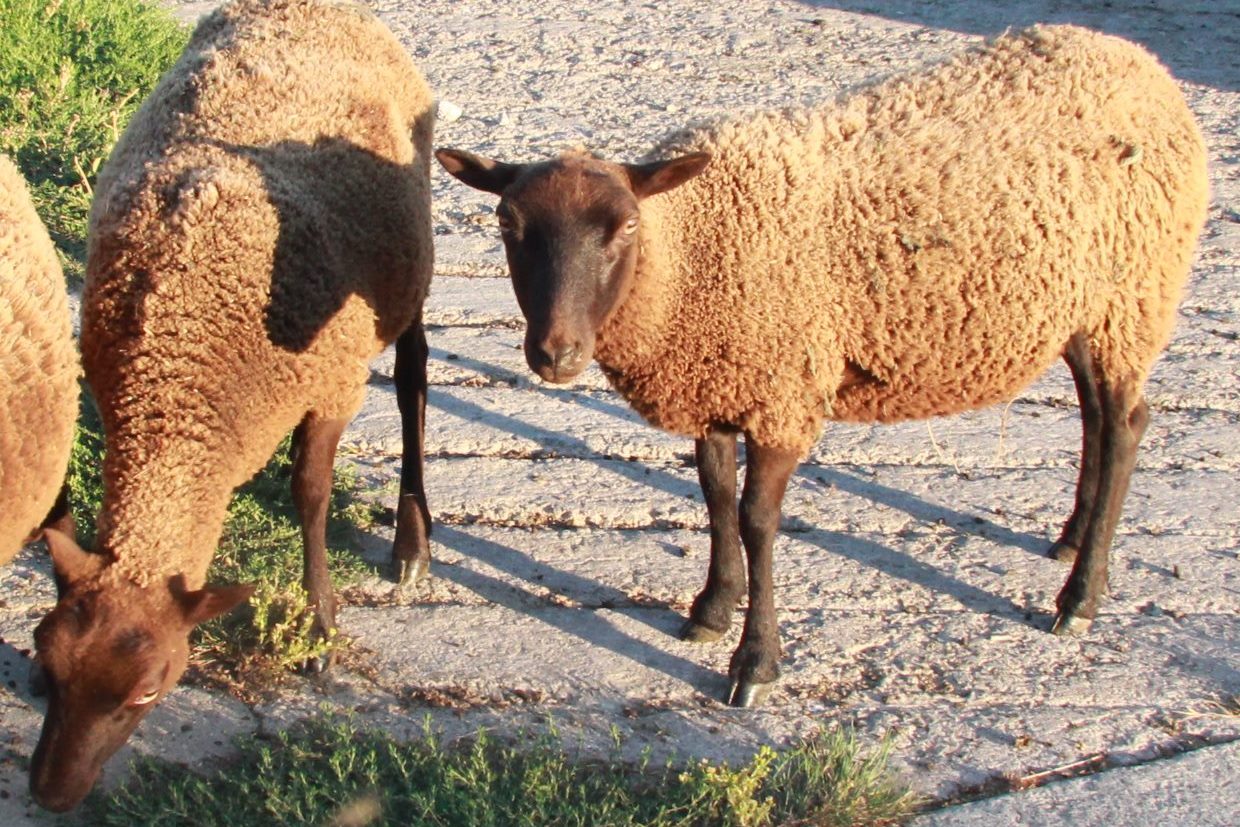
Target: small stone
446 111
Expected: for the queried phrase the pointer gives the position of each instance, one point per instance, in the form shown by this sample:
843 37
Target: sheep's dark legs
411 552
712 610
1124 418
314 452
755 663
1081 363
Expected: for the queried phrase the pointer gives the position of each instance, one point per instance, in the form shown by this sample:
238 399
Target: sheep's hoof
317 666
695 632
1063 552
746 694
1071 625
410 571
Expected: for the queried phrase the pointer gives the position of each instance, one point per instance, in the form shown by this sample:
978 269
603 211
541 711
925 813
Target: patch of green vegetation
334 773
72 73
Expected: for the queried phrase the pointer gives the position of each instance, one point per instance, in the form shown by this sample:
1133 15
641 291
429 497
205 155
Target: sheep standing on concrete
928 245
259 234
38 370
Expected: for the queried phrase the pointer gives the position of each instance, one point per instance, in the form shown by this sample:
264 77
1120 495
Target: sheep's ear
70 562
209 601
480 173
661 176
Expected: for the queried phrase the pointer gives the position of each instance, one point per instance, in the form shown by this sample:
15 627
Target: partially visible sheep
927 245
259 234
38 367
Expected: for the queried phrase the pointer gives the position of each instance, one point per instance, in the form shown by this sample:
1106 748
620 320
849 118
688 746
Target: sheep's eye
630 226
145 699
507 223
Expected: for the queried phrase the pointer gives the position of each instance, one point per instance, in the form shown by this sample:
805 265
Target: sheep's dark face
106 655
571 230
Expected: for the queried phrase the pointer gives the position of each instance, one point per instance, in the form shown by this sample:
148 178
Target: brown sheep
38 370
924 246
260 232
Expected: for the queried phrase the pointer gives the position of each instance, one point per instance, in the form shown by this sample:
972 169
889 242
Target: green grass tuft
72 73
336 773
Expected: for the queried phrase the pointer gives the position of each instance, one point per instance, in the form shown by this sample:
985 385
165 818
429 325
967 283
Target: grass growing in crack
334 773
72 73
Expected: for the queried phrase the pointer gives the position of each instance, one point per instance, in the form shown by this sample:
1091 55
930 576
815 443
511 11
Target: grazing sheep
927 245
38 369
259 234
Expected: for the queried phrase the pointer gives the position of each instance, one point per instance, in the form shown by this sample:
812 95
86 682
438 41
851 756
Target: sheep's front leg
314 453
1124 419
411 551
712 610
755 664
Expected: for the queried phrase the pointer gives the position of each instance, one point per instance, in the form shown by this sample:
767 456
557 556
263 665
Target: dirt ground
913 592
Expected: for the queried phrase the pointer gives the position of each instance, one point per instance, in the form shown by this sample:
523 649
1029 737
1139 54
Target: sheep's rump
930 243
38 367
260 232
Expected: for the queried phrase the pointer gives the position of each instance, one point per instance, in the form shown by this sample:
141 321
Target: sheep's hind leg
314 452
411 551
1081 363
755 663
712 610
1124 418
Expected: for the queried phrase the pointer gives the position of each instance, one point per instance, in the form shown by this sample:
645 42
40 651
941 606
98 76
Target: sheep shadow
346 228
1195 44
880 557
15 666
585 624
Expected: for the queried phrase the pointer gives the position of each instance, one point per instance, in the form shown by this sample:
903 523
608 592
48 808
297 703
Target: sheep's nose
556 361
564 358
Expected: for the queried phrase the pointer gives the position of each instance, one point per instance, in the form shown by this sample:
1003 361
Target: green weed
72 72
336 773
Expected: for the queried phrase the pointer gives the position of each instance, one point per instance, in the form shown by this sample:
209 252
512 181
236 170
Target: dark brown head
108 653
570 229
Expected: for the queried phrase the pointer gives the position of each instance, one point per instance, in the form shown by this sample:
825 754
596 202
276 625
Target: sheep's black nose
556 362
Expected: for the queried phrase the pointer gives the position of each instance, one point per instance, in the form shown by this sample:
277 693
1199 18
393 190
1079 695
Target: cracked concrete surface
913 594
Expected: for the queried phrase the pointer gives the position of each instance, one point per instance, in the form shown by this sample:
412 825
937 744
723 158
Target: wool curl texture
38 367
259 234
921 246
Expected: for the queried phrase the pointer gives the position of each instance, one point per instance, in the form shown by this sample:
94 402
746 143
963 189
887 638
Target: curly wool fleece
259 234
38 367
923 246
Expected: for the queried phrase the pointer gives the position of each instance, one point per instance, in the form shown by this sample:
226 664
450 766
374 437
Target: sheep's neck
635 332
163 515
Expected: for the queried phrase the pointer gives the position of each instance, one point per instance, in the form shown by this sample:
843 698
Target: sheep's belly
865 397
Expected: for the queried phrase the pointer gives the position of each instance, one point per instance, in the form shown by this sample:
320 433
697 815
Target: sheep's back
929 244
38 367
260 232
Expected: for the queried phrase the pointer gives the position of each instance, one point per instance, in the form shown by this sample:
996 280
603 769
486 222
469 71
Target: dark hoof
410 571
1071 625
747 694
317 666
1063 552
695 632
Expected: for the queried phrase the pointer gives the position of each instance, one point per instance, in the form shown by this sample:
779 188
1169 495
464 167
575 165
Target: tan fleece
38 367
259 234
923 246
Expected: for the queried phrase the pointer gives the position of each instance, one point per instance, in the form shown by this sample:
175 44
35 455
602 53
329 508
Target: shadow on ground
1199 40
